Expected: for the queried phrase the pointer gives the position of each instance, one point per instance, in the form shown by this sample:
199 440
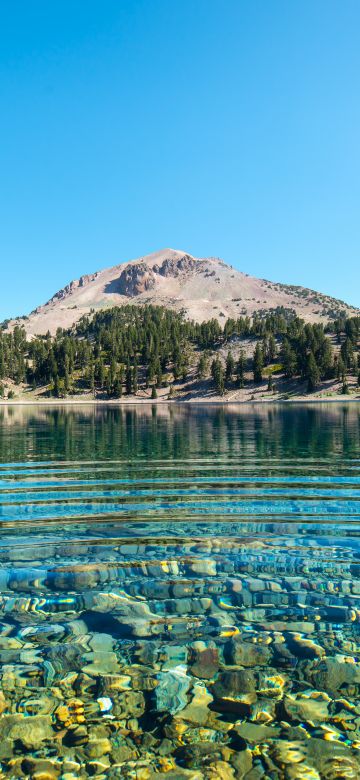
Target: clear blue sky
228 128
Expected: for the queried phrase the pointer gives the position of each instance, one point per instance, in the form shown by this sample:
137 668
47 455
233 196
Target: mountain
204 288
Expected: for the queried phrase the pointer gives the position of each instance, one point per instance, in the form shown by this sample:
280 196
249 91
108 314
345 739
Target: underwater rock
170 693
242 762
70 765
197 711
64 657
303 647
334 761
41 768
97 747
311 706
235 688
285 752
111 683
77 734
301 771
172 656
247 654
31 731
254 733
98 767
121 752
220 770
206 663
194 756
271 683
3 703
69 713
230 684
334 675
263 710
100 662
165 748
196 734
129 704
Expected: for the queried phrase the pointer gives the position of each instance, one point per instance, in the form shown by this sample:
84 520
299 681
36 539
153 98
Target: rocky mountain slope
204 288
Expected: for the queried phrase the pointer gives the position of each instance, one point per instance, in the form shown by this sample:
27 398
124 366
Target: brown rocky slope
204 288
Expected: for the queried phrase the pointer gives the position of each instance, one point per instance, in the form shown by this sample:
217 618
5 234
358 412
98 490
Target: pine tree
340 369
202 366
109 383
2 363
312 373
240 369
217 372
150 374
56 391
230 367
347 353
220 381
135 379
265 350
128 380
112 372
271 348
327 360
100 373
118 387
92 379
289 360
258 363
154 392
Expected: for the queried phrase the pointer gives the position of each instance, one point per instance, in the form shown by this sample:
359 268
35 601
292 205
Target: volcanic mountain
203 288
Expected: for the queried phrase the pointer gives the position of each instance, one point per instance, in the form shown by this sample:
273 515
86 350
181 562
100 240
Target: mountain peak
204 288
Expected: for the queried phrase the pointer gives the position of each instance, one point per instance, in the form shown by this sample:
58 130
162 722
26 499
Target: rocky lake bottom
180 592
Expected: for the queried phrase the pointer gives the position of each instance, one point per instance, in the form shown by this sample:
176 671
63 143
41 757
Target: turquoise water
179 592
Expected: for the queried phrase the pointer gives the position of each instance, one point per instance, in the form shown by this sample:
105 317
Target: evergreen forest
130 349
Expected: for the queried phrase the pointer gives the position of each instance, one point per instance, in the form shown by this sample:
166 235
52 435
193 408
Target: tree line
121 349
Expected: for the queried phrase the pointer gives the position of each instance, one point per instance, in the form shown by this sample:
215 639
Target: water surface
179 591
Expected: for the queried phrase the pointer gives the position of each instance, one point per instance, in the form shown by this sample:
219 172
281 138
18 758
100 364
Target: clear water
179 592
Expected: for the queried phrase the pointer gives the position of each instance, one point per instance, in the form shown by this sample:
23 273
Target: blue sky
218 127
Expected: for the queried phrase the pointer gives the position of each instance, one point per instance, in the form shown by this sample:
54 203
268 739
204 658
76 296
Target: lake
179 591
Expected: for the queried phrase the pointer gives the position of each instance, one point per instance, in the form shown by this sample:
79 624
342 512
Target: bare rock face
86 278
140 277
136 279
69 289
175 267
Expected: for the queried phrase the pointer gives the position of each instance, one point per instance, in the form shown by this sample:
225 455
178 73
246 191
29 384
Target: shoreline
174 402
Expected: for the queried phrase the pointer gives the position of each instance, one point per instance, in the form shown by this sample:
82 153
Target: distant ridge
204 288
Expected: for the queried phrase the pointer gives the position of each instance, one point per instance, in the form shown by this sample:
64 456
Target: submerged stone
206 660
312 706
30 732
171 690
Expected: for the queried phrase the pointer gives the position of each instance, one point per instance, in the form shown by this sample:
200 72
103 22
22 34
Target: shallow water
179 592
